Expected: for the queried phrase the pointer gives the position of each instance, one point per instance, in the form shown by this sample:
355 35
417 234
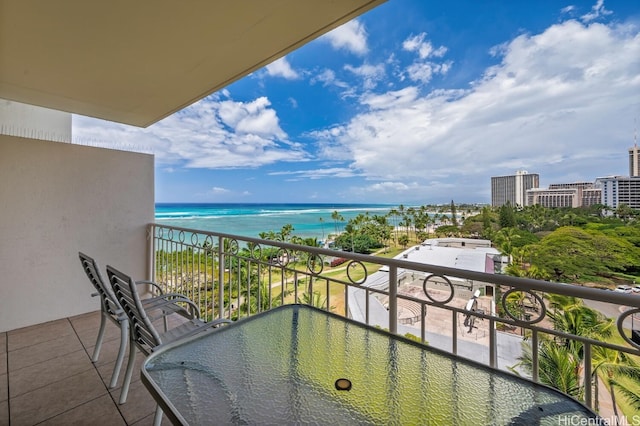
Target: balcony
46 375
77 194
489 318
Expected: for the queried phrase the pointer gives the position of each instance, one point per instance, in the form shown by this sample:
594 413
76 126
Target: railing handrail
520 283
386 289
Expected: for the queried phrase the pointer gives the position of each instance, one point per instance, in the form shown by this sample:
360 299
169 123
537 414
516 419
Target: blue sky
414 102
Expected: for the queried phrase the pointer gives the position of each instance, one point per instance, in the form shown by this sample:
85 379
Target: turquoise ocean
249 220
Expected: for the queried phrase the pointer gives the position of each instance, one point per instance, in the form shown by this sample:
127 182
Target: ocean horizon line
252 219
193 203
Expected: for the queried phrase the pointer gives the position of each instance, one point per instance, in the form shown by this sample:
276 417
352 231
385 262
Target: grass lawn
337 292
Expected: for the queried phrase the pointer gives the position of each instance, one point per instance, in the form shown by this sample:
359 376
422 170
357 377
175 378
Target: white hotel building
513 189
617 190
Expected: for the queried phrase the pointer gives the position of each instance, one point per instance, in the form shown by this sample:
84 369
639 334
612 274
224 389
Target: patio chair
143 334
161 305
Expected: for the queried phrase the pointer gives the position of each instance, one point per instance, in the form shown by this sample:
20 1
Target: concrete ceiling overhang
136 62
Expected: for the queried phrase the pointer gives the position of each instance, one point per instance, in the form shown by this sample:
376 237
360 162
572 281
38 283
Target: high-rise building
558 197
617 190
580 185
634 161
580 194
591 196
512 189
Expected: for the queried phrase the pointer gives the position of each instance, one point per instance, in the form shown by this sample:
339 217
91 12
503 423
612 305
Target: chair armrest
168 303
152 284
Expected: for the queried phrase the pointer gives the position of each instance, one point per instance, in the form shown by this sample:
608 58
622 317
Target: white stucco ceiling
136 62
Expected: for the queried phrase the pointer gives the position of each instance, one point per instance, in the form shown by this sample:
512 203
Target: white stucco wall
29 121
56 199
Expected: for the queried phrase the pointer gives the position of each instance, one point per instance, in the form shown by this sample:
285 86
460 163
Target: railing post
493 344
366 304
587 374
423 322
454 332
393 299
220 277
535 368
151 252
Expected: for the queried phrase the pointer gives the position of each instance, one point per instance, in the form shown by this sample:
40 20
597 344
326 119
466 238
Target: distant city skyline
523 189
412 103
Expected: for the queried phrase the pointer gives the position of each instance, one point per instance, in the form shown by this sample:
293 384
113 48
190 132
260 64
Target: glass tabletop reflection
298 364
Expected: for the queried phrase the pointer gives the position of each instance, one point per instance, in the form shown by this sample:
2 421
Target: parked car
636 289
624 289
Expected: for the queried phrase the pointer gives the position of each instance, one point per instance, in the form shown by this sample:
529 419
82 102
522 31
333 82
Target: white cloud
370 74
351 36
423 47
328 78
282 68
213 133
328 172
422 70
558 102
597 10
219 190
389 187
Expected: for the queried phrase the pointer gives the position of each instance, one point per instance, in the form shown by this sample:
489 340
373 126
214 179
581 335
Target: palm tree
535 272
570 316
557 366
337 217
406 224
403 240
504 240
412 216
516 303
615 364
581 320
315 300
394 215
285 233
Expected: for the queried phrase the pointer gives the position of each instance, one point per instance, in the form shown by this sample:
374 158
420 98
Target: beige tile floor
47 377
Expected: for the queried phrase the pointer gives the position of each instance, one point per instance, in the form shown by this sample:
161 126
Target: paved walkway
439 329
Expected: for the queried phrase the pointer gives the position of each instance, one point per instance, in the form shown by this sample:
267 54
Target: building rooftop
467 258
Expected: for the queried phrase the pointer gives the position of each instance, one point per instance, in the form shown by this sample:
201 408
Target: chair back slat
142 330
107 296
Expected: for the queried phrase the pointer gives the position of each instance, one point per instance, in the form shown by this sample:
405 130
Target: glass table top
287 365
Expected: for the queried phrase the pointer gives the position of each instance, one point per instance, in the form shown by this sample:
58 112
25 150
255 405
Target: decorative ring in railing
315 264
537 306
159 232
356 265
170 235
282 257
208 243
231 246
194 239
181 237
255 251
433 299
634 340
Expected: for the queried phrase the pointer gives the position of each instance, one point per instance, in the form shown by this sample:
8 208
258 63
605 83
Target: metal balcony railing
490 318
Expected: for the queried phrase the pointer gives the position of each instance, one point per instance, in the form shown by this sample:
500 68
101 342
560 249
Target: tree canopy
571 253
